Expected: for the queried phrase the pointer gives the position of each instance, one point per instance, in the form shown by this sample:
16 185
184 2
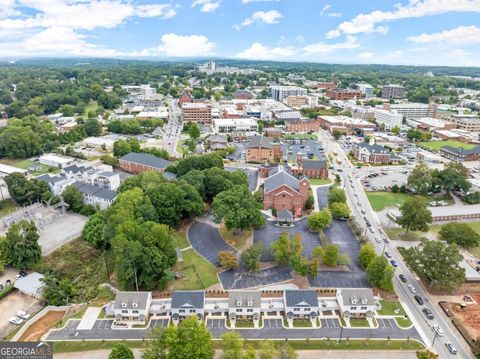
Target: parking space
215 323
272 323
382 180
102 324
163 323
387 323
207 241
10 305
312 148
240 279
330 323
269 233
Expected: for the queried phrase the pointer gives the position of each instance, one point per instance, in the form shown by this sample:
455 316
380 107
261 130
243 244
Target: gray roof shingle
279 179
359 294
301 298
128 298
244 297
260 141
188 298
145 159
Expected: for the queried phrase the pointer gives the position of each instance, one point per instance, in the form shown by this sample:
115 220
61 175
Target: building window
181 311
296 309
135 311
124 311
192 310
363 308
250 310
239 310
353 308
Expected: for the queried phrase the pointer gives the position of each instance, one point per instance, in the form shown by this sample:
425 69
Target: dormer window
354 301
134 305
250 303
124 305
239 302
364 301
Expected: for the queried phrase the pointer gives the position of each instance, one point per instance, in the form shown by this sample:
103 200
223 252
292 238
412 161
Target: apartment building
366 90
344 124
279 93
130 306
389 119
197 112
393 91
228 125
302 125
468 122
411 109
343 94
357 303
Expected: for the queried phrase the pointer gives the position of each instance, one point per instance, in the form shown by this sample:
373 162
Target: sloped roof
279 179
128 298
235 296
372 148
145 159
260 141
313 164
301 298
188 298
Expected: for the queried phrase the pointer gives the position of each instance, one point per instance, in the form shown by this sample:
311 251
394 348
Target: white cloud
324 12
300 39
366 23
321 47
185 45
267 17
333 34
253 1
259 52
366 55
7 8
207 5
459 35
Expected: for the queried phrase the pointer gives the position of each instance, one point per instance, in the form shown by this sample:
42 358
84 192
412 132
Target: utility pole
341 334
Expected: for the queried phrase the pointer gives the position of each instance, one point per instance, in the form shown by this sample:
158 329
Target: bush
395 188
227 259
319 220
310 202
6 291
109 160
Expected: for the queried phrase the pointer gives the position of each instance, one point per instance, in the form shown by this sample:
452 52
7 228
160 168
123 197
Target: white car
22 314
378 240
16 320
412 289
438 330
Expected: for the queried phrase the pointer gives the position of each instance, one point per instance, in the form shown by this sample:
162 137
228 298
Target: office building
366 90
393 91
279 93
343 94
389 119
197 113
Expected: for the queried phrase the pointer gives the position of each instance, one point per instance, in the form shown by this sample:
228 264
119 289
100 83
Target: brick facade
310 125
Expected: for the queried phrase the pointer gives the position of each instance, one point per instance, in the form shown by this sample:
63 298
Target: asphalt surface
208 242
241 279
272 329
270 232
291 149
251 174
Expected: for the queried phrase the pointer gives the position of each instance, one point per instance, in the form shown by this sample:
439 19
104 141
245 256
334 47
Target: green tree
19 142
336 195
395 130
57 291
454 177
266 350
121 148
380 273
193 131
227 259
251 258
320 220
93 231
330 256
250 352
285 351
340 210
121 351
190 339
92 127
427 354
24 191
281 250
74 198
237 208
318 252
366 254
415 214
232 345
459 233
420 179
20 247
438 263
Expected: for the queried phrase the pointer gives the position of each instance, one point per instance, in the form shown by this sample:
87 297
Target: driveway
269 233
207 241
340 234
241 279
10 305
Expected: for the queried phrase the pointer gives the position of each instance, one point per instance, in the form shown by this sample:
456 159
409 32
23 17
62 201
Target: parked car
8 283
451 348
428 313
15 320
393 262
418 299
378 240
412 289
388 255
403 278
363 211
22 314
23 273
436 328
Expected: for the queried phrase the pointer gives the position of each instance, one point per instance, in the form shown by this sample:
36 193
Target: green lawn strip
400 234
403 322
436 145
180 237
359 323
328 344
180 146
381 200
25 163
298 323
7 206
237 240
245 324
197 272
388 308
319 181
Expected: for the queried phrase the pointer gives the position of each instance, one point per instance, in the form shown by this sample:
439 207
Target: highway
358 202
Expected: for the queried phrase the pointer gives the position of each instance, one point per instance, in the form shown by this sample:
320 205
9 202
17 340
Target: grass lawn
7 206
436 145
245 324
359 323
403 322
319 181
299 323
180 237
92 106
381 200
328 344
388 308
434 229
180 146
237 240
300 136
198 272
82 264
24 164
399 234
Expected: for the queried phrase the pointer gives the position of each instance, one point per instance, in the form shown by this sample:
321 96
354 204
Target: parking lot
312 148
387 323
215 323
273 323
10 305
382 180
240 278
330 323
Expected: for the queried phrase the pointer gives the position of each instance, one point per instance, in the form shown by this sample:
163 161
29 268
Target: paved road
270 232
272 329
353 186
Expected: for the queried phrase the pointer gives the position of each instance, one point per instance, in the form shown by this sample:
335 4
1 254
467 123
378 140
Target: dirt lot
10 305
470 316
39 328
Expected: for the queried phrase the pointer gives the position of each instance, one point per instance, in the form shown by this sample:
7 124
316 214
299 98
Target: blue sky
427 32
